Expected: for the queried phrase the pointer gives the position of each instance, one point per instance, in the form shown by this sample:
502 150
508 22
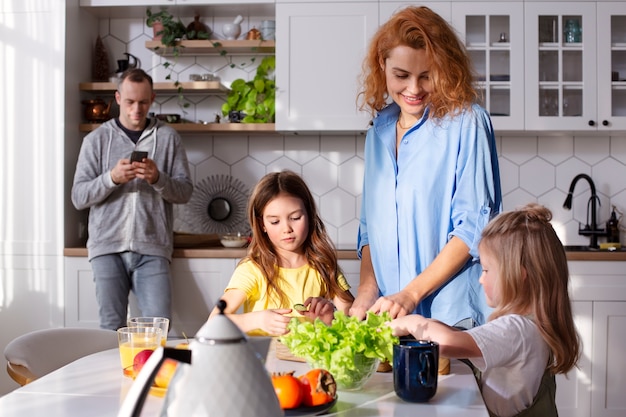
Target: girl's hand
411 324
319 307
273 321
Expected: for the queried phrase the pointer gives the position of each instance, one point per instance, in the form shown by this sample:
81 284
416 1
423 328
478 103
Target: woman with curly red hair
431 180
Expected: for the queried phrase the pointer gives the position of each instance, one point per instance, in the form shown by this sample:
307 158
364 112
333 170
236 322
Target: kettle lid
219 329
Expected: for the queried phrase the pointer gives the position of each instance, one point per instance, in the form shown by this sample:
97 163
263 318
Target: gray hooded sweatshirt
135 216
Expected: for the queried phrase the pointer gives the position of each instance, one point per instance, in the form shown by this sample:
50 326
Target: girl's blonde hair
534 277
450 72
318 248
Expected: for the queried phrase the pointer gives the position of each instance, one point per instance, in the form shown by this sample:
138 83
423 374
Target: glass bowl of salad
353 375
350 349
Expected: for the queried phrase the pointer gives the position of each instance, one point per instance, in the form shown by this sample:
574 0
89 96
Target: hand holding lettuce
337 347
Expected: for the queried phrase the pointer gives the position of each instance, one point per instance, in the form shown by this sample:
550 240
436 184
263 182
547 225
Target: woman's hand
319 307
362 303
398 304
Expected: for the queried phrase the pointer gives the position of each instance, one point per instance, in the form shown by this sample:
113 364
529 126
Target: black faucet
591 228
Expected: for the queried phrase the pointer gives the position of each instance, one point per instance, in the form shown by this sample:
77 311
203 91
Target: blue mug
415 369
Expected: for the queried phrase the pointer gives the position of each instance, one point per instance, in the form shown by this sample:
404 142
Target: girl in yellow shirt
291 260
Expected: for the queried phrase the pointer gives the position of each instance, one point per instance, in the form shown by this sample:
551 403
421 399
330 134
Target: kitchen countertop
221 252
208 252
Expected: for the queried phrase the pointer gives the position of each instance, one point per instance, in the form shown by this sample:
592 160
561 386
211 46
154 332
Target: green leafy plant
335 347
255 98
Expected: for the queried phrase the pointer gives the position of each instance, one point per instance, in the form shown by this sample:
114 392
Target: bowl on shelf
233 240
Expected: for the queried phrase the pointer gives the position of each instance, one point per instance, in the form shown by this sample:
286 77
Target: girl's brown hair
534 277
451 70
318 248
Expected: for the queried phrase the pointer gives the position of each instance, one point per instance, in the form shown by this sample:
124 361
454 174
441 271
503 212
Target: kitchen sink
581 248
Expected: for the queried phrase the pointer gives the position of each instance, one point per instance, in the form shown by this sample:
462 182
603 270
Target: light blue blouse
445 182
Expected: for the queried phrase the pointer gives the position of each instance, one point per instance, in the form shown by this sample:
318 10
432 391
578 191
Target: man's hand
123 172
146 170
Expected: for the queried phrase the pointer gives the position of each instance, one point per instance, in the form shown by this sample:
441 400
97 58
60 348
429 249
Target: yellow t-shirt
297 283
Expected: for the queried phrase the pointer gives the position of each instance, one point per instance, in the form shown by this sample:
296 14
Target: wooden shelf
205 128
215 47
190 87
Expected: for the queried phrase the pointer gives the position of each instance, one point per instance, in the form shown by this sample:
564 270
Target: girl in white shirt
530 336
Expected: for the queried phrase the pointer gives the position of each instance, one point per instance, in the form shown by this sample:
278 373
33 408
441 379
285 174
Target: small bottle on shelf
612 228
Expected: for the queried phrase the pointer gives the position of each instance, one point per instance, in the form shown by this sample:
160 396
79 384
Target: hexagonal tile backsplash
533 168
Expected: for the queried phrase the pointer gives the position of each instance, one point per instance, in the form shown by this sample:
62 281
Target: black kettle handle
136 62
141 387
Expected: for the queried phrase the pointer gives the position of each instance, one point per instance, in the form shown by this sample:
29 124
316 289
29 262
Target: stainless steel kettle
220 375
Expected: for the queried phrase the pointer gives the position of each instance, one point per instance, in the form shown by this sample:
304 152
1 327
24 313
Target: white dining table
94 386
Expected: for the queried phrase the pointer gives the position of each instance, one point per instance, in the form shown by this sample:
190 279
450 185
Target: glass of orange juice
133 340
162 323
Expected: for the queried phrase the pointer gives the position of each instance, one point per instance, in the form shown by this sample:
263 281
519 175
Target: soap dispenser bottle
612 228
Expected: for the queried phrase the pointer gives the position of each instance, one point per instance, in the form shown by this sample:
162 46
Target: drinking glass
162 323
133 340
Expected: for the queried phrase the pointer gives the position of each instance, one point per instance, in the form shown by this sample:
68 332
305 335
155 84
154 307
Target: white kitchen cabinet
126 3
598 292
573 392
493 34
319 51
611 18
609 365
197 284
389 7
352 271
560 70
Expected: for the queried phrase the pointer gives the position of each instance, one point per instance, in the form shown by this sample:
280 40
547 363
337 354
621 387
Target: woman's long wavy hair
318 248
534 277
450 72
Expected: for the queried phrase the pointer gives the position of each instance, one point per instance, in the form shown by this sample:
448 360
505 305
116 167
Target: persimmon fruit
288 389
319 387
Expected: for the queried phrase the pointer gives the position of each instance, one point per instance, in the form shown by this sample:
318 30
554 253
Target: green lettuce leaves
335 347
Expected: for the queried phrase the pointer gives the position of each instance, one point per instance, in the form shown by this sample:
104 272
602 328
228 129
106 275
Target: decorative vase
197 27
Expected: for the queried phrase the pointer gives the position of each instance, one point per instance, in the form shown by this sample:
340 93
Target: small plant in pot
168 29
253 101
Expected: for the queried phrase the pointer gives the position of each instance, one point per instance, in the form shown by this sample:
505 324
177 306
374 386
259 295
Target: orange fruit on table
288 389
319 387
166 371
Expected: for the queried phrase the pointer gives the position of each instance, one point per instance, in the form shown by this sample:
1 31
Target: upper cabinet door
561 66
493 34
126 3
611 65
389 7
319 51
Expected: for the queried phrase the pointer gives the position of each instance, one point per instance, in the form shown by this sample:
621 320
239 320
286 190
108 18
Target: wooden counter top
220 252
209 252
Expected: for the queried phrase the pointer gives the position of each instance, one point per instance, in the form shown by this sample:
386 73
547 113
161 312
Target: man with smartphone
130 172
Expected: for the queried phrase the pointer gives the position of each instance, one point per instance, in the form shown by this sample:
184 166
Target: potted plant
253 101
166 27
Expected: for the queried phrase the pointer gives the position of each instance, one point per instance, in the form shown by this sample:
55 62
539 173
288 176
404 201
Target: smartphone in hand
137 156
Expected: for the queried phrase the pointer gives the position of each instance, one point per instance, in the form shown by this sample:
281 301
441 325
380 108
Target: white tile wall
537 169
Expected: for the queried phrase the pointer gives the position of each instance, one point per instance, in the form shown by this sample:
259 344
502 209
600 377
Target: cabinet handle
605 123
592 123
